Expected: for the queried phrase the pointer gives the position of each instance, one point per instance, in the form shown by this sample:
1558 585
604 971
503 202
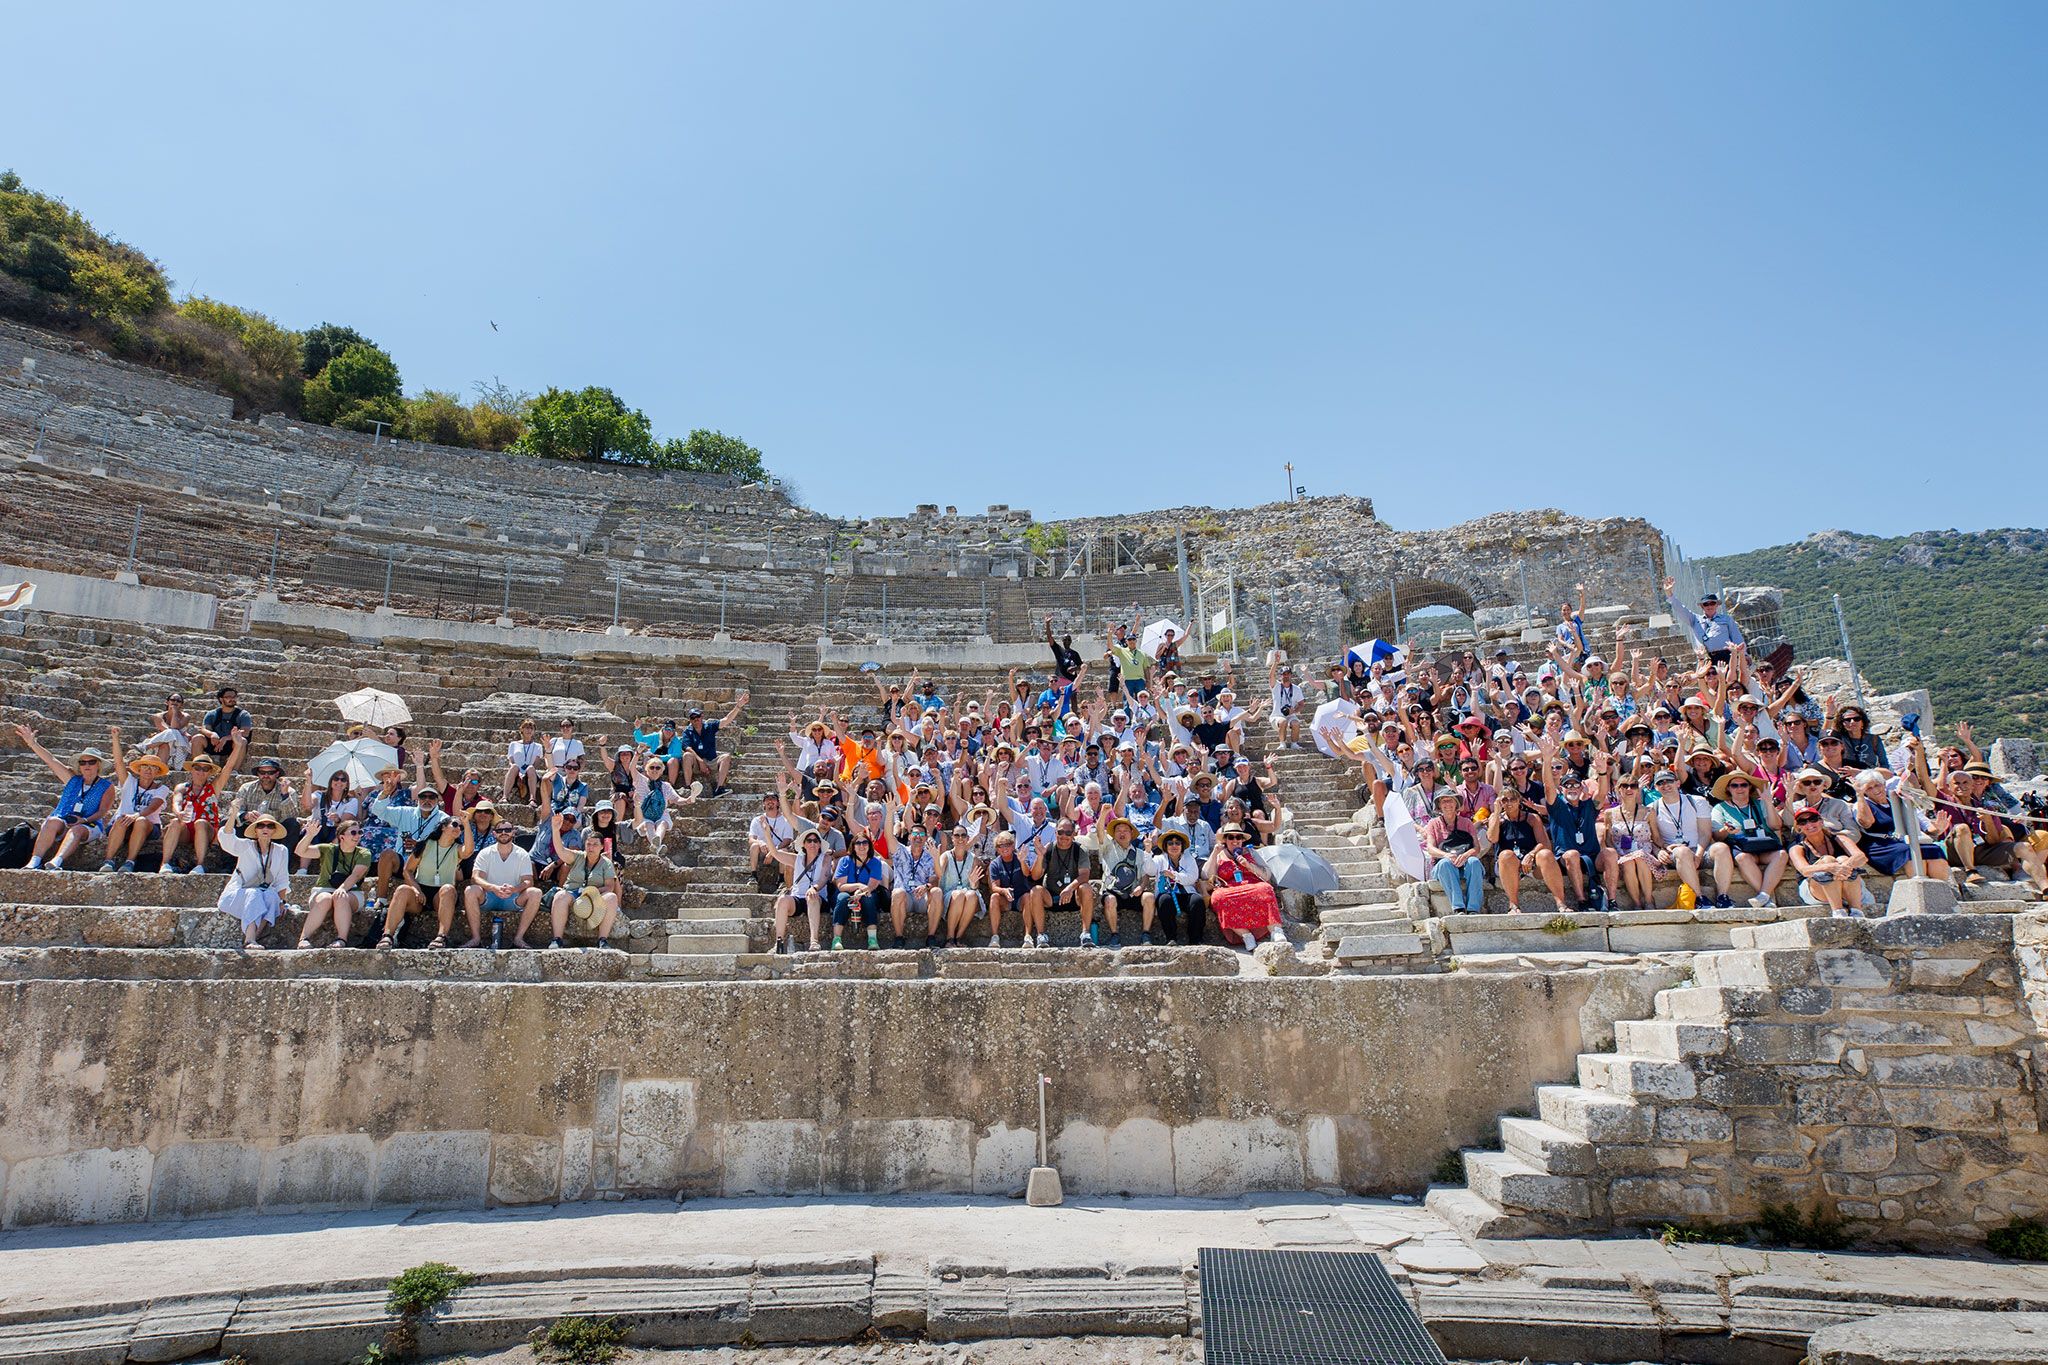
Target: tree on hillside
358 389
325 342
711 452
591 424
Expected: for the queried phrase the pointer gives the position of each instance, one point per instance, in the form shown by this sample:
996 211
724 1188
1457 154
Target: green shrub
423 1288
327 341
439 419
362 372
1561 925
578 1341
1450 1168
2023 1239
1785 1225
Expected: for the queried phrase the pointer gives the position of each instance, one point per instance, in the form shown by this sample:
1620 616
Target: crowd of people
1118 790
1597 776
411 840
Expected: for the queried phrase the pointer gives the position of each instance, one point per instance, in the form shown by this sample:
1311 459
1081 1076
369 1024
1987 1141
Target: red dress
1243 904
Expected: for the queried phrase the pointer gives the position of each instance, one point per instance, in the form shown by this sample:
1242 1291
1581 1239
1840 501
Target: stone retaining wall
121 1101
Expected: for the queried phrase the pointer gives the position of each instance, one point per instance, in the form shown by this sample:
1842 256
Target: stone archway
1373 614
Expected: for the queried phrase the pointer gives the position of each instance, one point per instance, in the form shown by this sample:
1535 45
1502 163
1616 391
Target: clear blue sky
1618 258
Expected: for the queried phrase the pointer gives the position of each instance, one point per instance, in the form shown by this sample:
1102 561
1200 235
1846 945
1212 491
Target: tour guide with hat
1713 628
255 892
81 807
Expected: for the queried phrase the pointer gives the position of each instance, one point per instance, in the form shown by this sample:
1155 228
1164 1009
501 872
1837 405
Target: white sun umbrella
1154 636
361 759
1404 841
1334 725
374 708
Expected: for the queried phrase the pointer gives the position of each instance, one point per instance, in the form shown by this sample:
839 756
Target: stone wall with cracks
124 1101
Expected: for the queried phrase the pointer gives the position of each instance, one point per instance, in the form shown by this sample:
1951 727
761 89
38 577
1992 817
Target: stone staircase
1817 1059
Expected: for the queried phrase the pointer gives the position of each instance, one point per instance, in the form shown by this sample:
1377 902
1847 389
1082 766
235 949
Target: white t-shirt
775 831
506 870
1680 825
136 798
1286 695
560 750
522 756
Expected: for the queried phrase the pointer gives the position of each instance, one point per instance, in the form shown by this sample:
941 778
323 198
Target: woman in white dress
256 889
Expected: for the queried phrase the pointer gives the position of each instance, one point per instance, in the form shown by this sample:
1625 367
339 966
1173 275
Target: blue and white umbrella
1370 652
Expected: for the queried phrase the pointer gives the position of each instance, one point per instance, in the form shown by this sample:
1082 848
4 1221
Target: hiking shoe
128 866
1116 939
1723 903
107 866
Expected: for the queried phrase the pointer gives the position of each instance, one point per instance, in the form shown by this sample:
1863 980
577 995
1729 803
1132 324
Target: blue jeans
867 901
1466 885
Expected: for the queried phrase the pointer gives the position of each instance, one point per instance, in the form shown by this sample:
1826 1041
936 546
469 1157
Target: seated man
1976 835
1289 721
1066 885
701 760
501 881
1010 883
916 878
223 727
590 887
771 844
268 793
82 807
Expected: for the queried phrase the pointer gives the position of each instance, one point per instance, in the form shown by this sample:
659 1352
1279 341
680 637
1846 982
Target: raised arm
28 737
120 759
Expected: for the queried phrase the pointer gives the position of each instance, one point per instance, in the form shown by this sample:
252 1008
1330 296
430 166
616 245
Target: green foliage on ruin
58 272
578 1341
2023 1239
423 1288
1972 611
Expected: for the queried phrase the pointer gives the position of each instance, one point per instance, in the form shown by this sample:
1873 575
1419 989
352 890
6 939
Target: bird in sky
494 326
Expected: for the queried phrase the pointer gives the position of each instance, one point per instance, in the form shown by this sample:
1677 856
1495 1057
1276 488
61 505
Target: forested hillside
1971 608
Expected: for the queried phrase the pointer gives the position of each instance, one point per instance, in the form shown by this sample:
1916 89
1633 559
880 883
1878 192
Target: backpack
653 804
16 845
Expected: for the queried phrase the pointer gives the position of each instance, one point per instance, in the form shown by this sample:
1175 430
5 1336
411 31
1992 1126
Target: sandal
304 944
387 942
438 941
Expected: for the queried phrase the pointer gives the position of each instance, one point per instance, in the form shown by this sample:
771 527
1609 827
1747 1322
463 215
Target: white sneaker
1044 941
1277 936
1250 944
995 940
1763 902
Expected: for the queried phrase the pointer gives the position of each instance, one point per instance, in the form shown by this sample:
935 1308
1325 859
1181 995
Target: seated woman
82 807
1451 841
433 876
1176 894
141 798
195 810
1889 854
590 889
1523 840
1121 888
1626 835
1831 864
255 892
340 864
654 803
1747 821
1246 904
810 884
863 881
327 808
959 876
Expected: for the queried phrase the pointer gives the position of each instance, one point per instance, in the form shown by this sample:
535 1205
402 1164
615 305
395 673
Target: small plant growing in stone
1818 1230
1450 1168
423 1288
1713 1234
2023 1239
1560 925
578 1341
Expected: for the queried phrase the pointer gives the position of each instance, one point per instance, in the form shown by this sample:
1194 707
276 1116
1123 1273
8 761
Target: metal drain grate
1306 1308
